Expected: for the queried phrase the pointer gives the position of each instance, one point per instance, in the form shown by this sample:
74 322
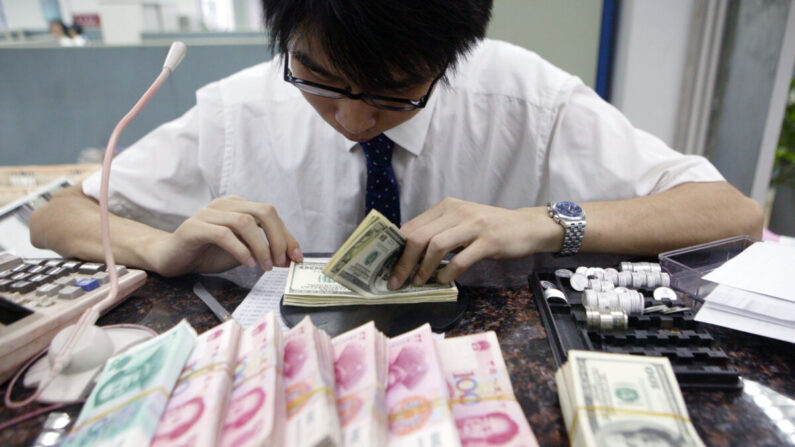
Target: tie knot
378 151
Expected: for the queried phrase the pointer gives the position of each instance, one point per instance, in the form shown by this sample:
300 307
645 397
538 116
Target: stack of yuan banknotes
259 387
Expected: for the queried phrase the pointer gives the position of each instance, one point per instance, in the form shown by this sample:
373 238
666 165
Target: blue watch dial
568 209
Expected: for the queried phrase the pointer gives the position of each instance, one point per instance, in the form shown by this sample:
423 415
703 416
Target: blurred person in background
76 34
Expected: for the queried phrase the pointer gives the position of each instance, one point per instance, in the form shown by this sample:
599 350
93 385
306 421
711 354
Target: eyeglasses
378 101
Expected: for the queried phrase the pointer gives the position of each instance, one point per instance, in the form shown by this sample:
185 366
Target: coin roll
596 272
547 285
661 293
620 320
665 279
563 273
578 282
624 279
589 298
554 295
638 279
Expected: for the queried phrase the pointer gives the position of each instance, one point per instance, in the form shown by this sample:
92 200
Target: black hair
77 28
378 44
60 23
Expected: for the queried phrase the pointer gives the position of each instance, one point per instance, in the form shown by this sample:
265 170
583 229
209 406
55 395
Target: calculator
39 297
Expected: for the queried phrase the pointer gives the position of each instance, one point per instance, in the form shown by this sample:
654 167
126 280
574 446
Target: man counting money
469 145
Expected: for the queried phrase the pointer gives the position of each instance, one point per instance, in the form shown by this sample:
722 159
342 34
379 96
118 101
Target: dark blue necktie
382 187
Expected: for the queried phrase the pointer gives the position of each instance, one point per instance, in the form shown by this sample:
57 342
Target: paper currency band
122 404
293 404
470 400
578 410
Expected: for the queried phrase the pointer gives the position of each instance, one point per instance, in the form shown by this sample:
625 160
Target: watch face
568 209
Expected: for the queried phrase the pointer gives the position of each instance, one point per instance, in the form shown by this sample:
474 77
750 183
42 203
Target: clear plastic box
687 265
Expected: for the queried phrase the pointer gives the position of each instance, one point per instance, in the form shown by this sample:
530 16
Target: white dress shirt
509 130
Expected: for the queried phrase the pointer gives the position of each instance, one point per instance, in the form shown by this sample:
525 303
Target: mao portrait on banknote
129 376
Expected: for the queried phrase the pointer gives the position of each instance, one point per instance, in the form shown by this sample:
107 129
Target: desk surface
721 418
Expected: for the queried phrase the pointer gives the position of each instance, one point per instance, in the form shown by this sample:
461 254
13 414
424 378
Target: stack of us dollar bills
622 400
359 272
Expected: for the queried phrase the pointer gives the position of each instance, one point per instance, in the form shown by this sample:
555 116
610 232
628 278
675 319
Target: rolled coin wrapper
665 279
578 282
563 273
624 279
605 320
595 272
547 285
554 295
661 293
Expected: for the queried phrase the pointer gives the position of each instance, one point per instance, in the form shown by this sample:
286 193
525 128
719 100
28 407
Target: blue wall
54 102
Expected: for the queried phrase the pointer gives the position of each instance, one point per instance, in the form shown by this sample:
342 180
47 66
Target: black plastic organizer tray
697 362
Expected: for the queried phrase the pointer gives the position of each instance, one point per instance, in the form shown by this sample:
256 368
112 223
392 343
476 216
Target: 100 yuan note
364 262
623 400
485 409
312 419
256 412
196 408
360 361
131 393
417 400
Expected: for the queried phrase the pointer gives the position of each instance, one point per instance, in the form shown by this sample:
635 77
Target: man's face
354 119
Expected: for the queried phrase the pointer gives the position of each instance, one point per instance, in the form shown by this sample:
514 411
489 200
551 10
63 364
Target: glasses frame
369 99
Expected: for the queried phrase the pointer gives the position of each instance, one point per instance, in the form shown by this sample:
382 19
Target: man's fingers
281 243
464 260
416 244
405 265
274 228
293 248
246 228
225 238
439 246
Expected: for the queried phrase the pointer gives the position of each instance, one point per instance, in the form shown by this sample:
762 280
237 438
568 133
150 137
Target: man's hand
482 231
227 232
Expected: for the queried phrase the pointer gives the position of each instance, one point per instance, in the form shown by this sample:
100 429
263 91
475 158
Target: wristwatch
572 218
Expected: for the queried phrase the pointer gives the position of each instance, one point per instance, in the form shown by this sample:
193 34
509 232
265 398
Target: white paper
754 305
15 237
264 297
764 267
712 315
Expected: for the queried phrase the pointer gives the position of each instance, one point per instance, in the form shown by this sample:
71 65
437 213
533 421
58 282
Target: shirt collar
410 135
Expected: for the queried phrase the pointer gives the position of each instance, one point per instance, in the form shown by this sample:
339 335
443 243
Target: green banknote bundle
125 406
359 272
622 400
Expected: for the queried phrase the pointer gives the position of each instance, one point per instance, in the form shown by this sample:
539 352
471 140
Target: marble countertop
721 418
